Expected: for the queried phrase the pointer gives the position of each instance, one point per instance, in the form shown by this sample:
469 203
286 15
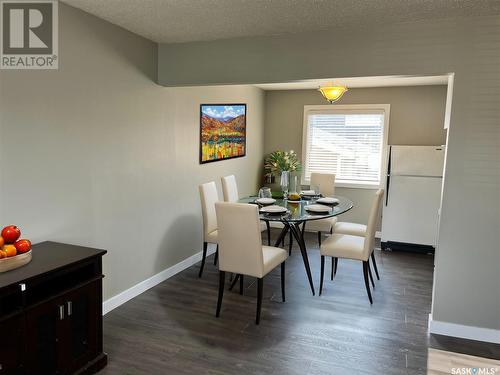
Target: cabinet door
43 339
12 345
82 325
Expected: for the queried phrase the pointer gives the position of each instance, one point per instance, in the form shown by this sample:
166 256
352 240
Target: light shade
333 93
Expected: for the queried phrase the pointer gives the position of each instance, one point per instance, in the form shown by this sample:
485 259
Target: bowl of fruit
14 252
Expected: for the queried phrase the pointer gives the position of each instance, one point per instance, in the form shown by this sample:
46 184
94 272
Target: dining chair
241 251
326 184
353 229
208 197
354 247
230 192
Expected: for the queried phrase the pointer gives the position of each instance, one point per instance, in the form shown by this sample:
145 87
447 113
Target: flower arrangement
281 161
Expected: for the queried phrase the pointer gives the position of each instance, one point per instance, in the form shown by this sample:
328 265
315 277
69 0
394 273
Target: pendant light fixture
333 93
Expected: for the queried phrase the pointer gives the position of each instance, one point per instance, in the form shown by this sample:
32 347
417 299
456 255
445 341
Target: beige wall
466 288
416 118
97 154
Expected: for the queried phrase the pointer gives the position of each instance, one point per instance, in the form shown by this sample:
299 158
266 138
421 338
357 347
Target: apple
10 234
23 246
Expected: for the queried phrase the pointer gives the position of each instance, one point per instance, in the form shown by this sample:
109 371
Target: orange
10 250
2 254
2 241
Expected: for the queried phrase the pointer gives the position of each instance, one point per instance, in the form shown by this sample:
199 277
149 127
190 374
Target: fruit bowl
10 263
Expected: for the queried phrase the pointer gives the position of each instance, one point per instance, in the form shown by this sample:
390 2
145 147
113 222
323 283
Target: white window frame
343 109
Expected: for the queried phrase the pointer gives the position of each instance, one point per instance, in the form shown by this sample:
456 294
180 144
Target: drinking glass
284 181
265 192
314 188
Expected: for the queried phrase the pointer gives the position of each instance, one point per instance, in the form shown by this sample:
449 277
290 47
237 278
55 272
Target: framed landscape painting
222 131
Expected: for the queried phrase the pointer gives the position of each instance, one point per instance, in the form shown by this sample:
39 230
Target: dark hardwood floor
172 329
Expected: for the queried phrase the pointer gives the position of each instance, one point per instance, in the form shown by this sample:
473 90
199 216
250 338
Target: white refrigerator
410 213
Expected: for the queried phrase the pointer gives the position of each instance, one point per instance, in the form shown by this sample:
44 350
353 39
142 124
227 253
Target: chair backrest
372 223
208 197
240 242
230 189
326 183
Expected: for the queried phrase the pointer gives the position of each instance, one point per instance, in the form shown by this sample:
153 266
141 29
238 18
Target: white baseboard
126 295
464 332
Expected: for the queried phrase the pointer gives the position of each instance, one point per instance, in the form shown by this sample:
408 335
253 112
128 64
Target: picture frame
222 132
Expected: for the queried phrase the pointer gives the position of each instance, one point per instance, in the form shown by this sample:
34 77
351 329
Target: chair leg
241 284
205 246
370 273
319 238
235 280
260 284
367 285
290 244
222 278
268 233
333 268
283 281
375 265
321 274
216 257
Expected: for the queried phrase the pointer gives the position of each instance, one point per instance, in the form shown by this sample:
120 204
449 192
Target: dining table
296 216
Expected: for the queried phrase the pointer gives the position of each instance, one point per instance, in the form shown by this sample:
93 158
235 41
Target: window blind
347 144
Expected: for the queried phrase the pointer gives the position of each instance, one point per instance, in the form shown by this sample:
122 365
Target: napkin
308 192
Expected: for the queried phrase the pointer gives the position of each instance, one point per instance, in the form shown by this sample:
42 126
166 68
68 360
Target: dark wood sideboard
51 312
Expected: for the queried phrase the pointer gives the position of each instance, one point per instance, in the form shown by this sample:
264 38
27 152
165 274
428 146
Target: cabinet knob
23 288
69 307
61 312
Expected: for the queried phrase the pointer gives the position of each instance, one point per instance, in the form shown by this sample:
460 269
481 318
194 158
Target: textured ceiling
174 21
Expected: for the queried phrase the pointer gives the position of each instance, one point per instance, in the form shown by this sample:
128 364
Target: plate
317 208
265 201
273 209
328 200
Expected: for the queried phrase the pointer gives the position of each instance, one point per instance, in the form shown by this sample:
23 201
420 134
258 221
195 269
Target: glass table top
296 211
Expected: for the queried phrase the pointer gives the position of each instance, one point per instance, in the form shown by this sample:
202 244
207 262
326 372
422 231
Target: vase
284 182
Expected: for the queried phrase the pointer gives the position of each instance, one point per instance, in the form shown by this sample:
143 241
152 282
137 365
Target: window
349 141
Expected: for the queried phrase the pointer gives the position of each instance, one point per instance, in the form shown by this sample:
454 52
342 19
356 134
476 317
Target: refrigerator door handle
388 179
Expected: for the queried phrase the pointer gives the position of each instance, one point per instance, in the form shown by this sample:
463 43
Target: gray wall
466 288
417 118
97 154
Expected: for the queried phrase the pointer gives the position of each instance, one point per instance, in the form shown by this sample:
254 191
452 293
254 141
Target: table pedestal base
298 234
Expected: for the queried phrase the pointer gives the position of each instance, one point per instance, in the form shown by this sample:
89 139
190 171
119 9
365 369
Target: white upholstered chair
230 192
326 184
208 197
353 229
241 250
354 247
